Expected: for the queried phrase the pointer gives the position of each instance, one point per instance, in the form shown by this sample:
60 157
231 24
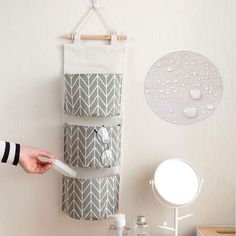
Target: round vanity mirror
176 183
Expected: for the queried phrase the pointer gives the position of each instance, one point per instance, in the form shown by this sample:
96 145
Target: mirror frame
170 204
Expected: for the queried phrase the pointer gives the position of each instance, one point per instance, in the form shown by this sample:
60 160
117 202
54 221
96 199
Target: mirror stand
177 218
176 184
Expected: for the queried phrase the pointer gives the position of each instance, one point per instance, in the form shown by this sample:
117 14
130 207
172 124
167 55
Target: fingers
45 154
41 169
30 162
43 163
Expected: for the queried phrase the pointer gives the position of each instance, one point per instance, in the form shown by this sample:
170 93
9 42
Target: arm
27 157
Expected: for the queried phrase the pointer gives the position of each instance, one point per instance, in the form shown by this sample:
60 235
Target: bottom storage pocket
91 199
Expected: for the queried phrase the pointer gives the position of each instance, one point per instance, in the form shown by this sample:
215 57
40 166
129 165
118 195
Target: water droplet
163 84
206 88
171 61
170 111
167 81
210 107
194 73
175 90
203 111
182 85
175 81
186 76
210 91
159 64
195 94
190 112
169 69
186 63
161 91
147 90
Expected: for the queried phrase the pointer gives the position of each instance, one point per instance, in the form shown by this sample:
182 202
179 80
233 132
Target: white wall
30 100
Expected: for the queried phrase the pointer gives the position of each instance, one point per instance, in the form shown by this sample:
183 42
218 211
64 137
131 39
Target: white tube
63 168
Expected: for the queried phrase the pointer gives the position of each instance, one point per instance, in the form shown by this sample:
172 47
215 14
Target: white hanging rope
96 8
107 20
84 21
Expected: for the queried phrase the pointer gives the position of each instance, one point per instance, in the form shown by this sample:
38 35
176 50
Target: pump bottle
140 227
119 227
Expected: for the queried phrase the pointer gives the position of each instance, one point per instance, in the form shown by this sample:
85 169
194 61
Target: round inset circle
183 87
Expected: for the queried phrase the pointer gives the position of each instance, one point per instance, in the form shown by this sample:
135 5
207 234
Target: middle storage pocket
92 146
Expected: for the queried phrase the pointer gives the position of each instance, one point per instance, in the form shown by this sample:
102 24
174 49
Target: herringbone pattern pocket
82 148
92 94
91 199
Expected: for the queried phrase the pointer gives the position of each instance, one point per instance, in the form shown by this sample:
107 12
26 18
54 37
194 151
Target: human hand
31 164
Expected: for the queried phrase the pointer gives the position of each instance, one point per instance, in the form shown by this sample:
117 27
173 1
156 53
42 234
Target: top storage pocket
92 94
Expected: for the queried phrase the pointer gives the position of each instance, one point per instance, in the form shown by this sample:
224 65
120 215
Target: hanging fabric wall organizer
93 79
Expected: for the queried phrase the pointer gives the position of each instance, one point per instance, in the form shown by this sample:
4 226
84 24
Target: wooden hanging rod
94 37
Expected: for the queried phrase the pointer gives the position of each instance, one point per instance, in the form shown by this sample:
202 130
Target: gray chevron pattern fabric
92 94
83 149
91 199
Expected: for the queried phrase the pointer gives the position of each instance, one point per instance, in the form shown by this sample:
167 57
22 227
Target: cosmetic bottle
119 227
140 227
